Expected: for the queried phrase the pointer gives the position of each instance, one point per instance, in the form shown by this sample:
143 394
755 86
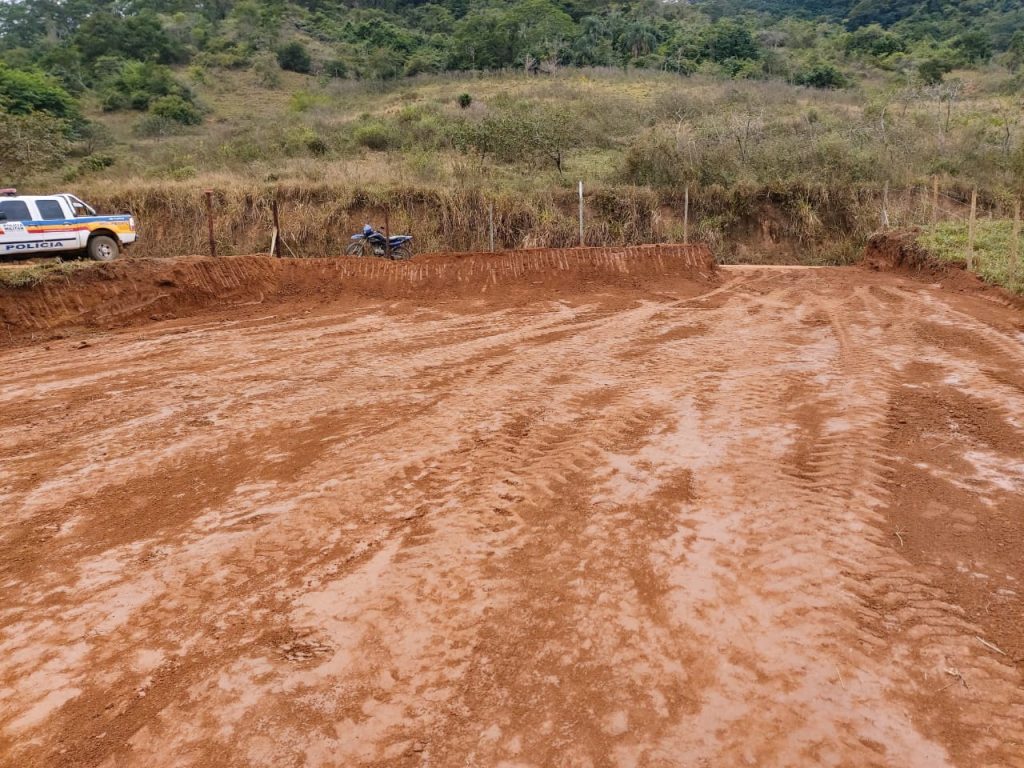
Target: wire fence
996 224
945 212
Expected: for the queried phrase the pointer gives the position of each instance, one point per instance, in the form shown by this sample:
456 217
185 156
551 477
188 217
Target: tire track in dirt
608 531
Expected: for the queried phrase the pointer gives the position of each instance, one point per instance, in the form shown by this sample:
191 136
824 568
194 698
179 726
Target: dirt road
779 524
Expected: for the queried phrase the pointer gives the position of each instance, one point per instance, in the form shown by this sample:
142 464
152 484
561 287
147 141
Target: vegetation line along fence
279 242
321 227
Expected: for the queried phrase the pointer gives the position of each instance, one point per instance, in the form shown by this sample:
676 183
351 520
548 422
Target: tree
975 46
31 142
726 40
872 40
24 92
140 37
931 71
1016 51
883 12
514 134
639 38
294 57
539 29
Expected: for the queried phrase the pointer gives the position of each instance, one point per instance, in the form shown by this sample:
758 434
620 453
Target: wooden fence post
686 216
209 221
885 206
275 241
582 241
1015 244
490 222
935 203
970 229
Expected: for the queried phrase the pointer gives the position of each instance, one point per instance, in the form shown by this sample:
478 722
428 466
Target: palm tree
639 38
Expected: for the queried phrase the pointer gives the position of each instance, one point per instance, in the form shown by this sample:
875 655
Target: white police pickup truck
41 225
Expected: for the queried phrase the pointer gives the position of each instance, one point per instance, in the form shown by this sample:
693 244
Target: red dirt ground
771 518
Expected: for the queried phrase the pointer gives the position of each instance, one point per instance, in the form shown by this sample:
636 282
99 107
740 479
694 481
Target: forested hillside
119 49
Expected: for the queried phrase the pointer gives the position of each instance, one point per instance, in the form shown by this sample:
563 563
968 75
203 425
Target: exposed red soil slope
134 291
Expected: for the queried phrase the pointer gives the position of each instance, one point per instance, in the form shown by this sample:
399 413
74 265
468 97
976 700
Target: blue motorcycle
370 242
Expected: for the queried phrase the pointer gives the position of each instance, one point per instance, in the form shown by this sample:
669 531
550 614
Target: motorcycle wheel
356 249
401 253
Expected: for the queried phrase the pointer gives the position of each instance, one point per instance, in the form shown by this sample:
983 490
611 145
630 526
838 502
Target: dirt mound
131 292
900 251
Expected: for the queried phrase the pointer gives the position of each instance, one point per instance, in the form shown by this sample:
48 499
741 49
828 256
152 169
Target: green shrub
931 71
336 68
96 162
821 76
267 70
303 101
22 92
90 164
376 136
135 85
655 160
175 108
294 57
465 100
154 126
425 61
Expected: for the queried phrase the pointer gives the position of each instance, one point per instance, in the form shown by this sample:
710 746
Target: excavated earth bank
136 291
623 510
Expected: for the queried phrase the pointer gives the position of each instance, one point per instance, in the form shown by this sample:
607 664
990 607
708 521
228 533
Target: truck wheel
103 248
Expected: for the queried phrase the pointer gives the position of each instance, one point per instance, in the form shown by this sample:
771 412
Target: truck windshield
80 208
14 210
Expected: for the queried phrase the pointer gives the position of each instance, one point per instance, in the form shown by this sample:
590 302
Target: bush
318 146
821 76
154 126
267 70
654 160
465 100
135 85
425 61
304 101
22 92
175 108
294 57
931 71
90 164
336 68
376 136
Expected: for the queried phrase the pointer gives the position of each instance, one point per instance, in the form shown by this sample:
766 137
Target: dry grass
806 167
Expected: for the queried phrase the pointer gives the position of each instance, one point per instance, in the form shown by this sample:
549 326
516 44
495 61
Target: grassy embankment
776 172
993 250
